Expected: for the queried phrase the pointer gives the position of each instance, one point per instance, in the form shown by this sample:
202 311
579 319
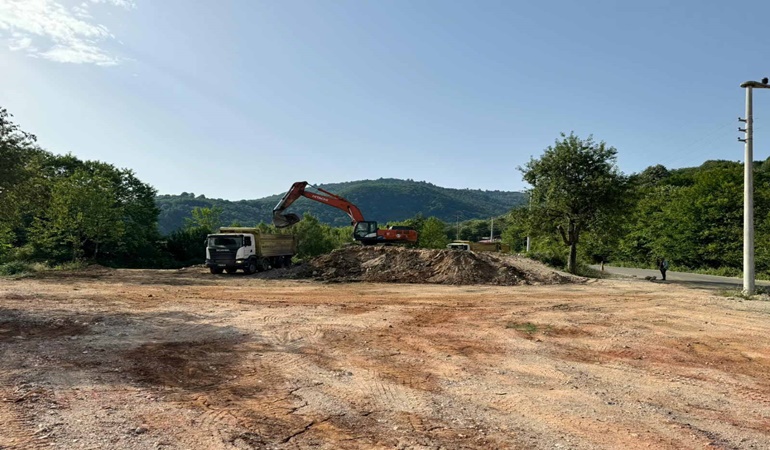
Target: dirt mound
403 265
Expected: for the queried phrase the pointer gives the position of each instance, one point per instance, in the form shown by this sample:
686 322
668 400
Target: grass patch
21 269
761 293
588 272
525 327
71 265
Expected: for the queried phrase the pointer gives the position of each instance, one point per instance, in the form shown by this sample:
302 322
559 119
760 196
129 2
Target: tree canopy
573 183
58 207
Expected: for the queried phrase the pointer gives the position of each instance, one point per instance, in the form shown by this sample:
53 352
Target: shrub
15 268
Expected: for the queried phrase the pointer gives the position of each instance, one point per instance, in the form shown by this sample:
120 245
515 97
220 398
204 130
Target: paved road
683 278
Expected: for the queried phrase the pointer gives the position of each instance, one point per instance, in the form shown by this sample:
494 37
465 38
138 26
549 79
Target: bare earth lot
182 359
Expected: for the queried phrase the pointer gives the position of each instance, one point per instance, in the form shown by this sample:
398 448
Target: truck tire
287 261
215 270
251 268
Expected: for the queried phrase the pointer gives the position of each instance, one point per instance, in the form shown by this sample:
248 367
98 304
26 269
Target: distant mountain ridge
383 200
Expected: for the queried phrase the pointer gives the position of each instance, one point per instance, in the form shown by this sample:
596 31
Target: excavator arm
364 231
298 190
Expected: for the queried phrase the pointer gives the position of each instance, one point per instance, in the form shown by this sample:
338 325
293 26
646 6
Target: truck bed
276 244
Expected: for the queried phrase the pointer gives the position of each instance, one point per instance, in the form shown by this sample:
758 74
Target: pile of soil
404 265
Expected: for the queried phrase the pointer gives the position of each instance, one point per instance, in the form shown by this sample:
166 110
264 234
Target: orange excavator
365 231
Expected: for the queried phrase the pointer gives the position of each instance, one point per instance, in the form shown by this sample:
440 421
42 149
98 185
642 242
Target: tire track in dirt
685 390
357 388
215 419
14 431
16 417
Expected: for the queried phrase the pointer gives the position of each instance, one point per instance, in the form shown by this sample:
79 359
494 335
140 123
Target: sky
239 99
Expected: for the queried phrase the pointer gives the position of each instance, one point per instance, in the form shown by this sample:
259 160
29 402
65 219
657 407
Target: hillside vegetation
58 210
383 200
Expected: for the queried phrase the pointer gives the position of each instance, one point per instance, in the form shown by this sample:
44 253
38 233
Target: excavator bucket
284 220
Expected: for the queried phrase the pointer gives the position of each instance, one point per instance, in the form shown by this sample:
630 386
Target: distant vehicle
364 231
483 246
248 249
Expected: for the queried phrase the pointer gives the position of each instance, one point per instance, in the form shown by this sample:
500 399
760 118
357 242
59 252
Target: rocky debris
405 265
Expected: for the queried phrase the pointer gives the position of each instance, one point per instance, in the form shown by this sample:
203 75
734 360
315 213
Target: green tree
83 213
20 175
14 144
433 234
692 216
572 182
313 237
187 245
138 246
601 241
517 229
209 218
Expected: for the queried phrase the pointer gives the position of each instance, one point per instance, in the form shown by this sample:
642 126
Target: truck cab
230 252
481 246
464 246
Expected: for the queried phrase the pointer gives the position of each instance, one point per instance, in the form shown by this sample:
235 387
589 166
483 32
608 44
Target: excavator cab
365 231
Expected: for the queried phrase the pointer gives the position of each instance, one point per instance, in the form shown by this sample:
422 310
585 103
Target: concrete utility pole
457 216
492 230
748 187
530 210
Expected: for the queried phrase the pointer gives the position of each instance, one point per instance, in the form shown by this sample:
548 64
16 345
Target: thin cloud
48 29
20 42
128 4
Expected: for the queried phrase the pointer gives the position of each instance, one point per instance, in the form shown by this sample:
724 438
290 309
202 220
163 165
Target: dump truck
248 249
482 246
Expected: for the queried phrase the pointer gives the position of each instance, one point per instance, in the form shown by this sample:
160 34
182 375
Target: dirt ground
144 359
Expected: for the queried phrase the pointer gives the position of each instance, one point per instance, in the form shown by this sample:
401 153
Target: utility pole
748 186
530 210
492 229
457 216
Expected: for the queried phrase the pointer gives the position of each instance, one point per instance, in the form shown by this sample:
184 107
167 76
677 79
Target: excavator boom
281 220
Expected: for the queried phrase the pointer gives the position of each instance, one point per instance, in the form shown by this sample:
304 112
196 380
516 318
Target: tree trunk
572 263
573 233
570 238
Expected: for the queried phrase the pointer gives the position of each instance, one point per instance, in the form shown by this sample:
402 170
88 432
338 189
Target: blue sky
239 99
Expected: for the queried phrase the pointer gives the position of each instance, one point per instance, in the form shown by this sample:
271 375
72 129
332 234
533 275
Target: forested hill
382 200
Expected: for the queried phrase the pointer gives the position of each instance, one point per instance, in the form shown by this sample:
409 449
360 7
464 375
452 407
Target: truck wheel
287 261
215 270
230 270
251 268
